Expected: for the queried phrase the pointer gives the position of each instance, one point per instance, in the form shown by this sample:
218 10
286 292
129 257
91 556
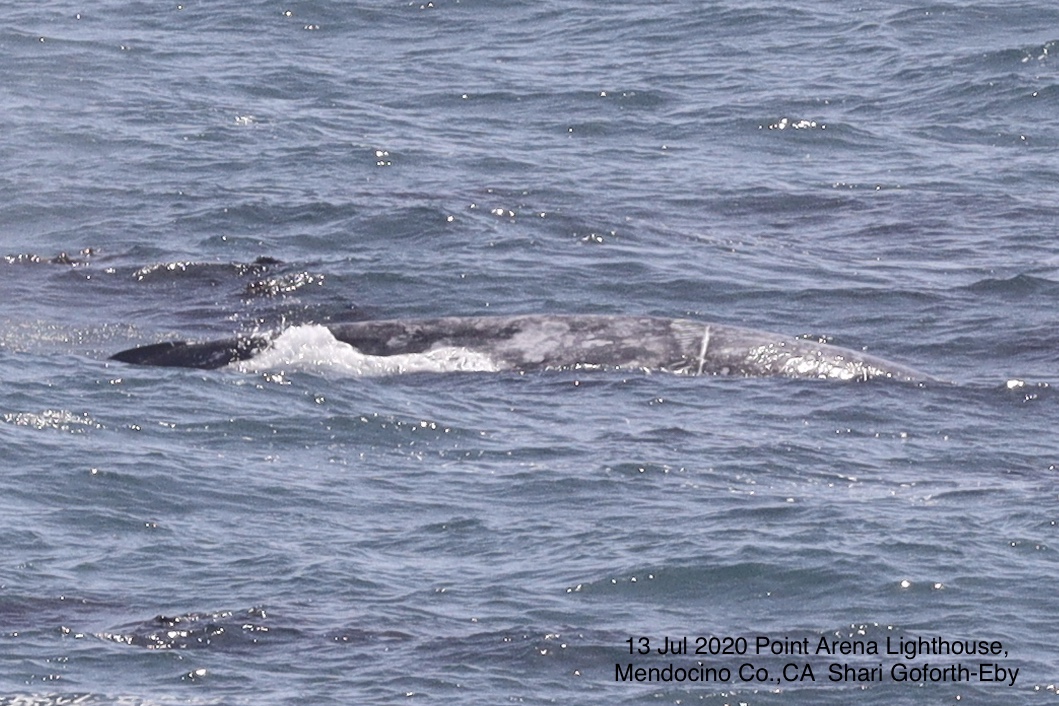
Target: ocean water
883 176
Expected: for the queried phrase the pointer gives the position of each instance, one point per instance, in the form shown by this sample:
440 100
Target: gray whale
542 342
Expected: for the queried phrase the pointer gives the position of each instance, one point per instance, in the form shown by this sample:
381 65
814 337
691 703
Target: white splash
314 349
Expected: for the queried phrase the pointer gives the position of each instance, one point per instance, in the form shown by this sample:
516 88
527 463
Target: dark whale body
540 342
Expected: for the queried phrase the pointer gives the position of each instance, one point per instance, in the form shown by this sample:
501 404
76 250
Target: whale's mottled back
542 342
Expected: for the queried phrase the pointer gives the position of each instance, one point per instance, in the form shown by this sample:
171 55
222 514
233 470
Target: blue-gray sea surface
882 175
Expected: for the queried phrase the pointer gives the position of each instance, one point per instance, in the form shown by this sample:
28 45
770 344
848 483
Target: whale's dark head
207 356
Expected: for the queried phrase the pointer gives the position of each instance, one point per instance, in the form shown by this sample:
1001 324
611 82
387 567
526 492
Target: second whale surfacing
542 342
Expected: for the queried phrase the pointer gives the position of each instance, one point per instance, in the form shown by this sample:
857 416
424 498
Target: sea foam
313 348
